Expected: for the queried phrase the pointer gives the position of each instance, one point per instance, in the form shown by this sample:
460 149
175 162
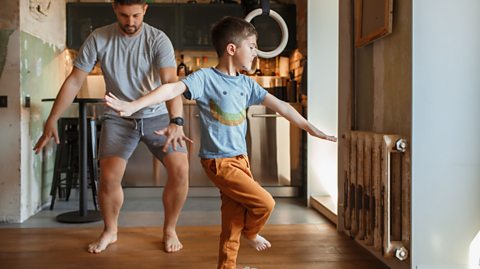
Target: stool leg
56 174
63 168
70 170
57 170
93 161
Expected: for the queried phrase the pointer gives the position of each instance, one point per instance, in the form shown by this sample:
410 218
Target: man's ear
231 49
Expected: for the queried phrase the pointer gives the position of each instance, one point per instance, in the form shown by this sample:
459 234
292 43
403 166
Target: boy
222 96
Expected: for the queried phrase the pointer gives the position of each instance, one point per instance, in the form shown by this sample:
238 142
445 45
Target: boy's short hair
230 30
129 2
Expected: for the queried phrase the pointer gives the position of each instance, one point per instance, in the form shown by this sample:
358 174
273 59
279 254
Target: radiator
377 192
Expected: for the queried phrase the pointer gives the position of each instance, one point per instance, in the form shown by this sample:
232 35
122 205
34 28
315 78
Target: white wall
322 59
42 41
445 133
10 116
49 24
31 68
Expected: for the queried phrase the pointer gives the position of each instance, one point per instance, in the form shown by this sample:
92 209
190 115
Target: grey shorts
120 136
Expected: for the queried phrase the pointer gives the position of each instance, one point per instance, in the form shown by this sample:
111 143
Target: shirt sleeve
195 83
257 94
87 55
165 56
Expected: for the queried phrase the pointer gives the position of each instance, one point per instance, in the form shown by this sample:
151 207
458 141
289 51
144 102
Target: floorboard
294 246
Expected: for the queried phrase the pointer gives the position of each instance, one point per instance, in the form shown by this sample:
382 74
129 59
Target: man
135 58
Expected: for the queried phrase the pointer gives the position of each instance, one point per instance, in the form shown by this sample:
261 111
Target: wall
322 95
383 90
44 19
42 72
375 88
446 156
43 69
10 116
392 61
34 68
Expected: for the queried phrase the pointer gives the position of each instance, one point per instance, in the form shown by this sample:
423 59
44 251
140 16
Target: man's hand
123 108
175 136
49 131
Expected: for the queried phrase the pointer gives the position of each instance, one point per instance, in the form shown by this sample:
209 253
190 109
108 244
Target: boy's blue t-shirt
222 101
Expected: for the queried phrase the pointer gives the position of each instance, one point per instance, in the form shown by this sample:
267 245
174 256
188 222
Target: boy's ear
231 49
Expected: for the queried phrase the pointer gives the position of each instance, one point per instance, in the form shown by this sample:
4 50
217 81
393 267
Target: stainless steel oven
274 149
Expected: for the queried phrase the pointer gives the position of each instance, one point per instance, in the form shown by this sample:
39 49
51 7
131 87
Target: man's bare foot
259 243
172 243
105 239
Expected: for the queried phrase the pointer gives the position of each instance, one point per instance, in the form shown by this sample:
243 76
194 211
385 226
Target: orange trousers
246 206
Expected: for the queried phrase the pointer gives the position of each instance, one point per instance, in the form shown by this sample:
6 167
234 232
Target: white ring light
283 27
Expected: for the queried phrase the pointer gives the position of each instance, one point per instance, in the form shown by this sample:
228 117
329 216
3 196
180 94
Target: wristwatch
177 120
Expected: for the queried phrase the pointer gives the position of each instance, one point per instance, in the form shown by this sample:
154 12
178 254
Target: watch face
177 121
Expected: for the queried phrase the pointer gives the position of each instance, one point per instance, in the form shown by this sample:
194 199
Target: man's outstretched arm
64 99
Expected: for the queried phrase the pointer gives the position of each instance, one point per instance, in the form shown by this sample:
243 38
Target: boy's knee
270 203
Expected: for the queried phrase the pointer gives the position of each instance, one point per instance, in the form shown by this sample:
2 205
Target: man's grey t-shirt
130 65
222 101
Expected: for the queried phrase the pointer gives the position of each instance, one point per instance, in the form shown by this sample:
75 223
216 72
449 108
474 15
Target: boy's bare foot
172 243
259 243
105 239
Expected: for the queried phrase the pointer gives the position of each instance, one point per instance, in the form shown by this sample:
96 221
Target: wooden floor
299 246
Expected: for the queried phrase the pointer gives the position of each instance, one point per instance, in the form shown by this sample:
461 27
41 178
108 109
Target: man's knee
109 181
111 172
177 165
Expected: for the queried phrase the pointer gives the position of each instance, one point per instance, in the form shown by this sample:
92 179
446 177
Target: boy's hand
312 130
175 136
122 107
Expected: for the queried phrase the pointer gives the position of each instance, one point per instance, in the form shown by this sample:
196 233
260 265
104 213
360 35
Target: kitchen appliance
274 148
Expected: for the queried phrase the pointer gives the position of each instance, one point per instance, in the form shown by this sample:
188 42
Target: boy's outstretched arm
163 93
292 115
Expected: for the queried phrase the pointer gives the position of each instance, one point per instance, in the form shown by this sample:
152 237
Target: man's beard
129 29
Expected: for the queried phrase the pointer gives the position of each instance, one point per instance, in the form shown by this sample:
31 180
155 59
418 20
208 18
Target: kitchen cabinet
198 177
187 25
197 21
83 18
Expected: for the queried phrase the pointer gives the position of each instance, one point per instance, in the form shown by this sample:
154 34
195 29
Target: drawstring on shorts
141 125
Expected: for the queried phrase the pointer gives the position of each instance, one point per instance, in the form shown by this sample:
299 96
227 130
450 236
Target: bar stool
66 170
